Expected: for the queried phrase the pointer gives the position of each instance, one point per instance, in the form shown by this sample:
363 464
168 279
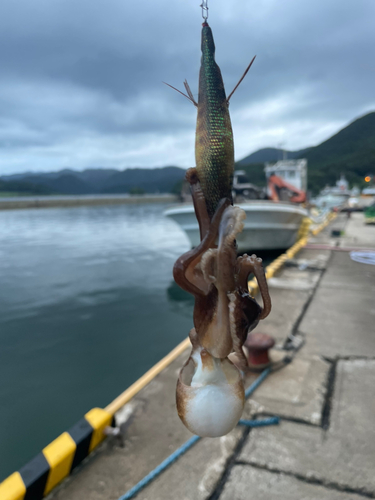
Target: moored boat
270 223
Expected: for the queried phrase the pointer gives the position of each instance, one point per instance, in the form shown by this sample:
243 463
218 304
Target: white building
292 171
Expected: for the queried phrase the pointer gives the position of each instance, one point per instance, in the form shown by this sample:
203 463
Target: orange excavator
280 190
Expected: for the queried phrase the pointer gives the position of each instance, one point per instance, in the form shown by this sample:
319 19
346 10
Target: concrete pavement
324 447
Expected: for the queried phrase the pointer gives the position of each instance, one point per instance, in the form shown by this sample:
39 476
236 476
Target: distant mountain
350 152
65 183
96 181
271 154
150 180
96 177
19 187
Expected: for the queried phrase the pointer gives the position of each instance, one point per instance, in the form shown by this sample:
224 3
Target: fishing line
204 6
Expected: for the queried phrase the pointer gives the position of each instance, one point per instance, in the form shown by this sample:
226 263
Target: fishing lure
214 149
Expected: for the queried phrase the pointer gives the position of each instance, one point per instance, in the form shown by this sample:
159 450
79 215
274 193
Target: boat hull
268 225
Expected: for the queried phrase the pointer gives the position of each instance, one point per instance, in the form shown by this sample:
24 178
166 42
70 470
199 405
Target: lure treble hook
204 6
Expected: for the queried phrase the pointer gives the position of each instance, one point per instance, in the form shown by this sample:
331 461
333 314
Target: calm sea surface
87 305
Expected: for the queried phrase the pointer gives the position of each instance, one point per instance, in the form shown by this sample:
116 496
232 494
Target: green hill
270 154
94 181
22 188
63 184
154 180
350 152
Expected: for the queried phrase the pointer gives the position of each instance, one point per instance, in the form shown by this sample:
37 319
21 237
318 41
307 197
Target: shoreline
82 200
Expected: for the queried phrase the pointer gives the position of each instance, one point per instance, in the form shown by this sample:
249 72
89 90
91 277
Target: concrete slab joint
342 457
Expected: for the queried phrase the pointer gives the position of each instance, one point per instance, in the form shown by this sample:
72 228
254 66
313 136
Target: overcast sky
81 81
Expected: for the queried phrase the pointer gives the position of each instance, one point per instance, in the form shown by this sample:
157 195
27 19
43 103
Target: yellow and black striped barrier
57 460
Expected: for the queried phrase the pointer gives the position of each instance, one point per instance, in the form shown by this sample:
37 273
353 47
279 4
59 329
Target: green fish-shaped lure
214 148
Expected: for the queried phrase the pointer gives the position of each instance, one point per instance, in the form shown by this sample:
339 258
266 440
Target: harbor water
87 305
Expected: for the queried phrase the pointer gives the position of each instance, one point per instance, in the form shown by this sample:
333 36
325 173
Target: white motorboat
268 225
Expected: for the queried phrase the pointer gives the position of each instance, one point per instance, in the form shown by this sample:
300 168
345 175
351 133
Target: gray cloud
80 83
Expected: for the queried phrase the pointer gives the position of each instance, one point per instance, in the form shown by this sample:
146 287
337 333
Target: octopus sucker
210 391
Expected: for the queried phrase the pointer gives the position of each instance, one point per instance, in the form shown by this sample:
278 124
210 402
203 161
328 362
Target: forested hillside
350 152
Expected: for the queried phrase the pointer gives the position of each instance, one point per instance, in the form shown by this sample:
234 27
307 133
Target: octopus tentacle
199 201
230 226
253 264
209 265
263 287
186 271
236 328
245 266
216 337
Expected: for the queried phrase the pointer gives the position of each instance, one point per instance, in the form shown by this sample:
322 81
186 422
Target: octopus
210 391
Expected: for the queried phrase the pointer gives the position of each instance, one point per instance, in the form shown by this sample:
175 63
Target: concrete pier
324 447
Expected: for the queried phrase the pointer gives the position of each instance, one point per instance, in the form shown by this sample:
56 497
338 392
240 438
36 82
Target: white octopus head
210 394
